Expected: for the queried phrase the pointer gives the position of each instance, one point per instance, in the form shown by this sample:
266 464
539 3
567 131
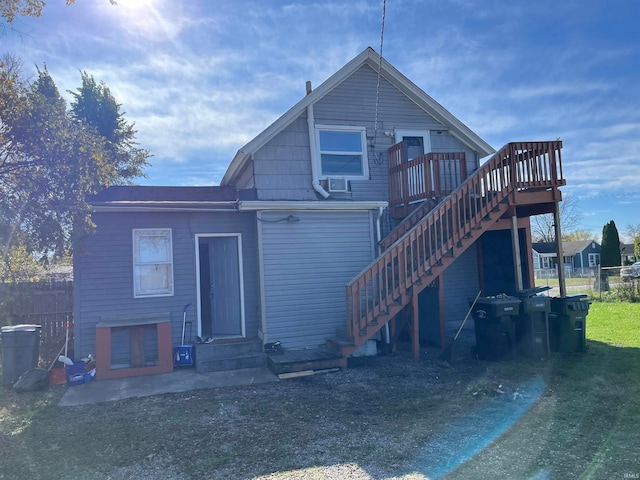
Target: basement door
220 292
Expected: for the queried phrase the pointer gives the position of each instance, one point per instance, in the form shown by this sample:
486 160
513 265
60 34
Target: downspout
315 183
379 229
387 333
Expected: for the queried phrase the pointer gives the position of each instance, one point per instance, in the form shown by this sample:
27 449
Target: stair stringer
349 345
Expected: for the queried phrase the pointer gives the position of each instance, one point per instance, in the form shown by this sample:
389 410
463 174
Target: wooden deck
519 180
303 360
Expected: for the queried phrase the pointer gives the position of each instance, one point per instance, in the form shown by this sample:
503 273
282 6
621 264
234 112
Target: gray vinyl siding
246 178
353 102
282 168
103 269
461 283
306 266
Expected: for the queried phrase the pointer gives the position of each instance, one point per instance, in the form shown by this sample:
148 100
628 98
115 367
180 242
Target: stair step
224 355
230 363
229 348
320 358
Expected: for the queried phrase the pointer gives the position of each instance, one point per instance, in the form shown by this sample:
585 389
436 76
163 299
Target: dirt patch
384 417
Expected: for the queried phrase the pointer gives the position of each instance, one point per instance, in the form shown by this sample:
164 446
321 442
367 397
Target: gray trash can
20 351
532 327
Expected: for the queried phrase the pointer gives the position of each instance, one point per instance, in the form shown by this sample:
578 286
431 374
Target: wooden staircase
429 239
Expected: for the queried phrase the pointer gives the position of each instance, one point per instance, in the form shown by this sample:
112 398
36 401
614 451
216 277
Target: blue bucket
75 373
183 357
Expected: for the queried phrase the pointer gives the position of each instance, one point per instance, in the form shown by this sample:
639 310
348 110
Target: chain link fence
603 283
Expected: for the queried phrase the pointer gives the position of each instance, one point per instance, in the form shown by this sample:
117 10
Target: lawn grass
587 425
387 417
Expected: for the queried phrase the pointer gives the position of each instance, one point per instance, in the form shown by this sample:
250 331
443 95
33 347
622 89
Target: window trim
136 263
342 128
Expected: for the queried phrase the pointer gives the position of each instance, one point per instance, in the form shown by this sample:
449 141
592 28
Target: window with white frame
152 262
342 152
594 259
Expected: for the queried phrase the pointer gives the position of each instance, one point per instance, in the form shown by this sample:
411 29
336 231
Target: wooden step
307 359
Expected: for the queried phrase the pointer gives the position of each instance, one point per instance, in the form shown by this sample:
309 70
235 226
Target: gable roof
392 75
568 248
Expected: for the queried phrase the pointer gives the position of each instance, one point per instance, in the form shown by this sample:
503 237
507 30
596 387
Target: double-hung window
152 262
342 152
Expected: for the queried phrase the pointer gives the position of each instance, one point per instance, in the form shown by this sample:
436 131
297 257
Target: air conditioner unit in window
337 184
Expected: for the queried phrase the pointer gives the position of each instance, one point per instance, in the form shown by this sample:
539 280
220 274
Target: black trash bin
532 326
494 322
20 351
568 323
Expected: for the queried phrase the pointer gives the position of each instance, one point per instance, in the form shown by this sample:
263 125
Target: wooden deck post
515 241
415 329
559 251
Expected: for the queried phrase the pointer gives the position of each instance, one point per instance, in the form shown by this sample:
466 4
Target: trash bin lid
530 292
20 328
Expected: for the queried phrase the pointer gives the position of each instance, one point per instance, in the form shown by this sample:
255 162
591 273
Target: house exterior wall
282 167
103 270
461 282
581 259
305 267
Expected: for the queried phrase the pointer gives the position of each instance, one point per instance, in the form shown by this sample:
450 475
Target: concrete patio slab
180 380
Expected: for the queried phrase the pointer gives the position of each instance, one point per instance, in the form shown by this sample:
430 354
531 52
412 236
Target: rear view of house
364 207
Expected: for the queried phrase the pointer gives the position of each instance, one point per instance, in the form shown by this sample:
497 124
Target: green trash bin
568 323
532 326
20 351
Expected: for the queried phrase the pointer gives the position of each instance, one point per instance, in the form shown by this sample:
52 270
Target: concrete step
231 363
223 355
220 349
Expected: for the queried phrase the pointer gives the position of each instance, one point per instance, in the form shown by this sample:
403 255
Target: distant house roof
151 197
392 75
627 249
544 247
568 248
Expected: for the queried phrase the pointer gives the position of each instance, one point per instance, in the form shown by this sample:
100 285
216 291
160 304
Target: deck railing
433 175
421 244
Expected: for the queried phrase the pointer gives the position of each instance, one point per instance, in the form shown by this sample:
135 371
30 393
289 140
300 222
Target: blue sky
201 78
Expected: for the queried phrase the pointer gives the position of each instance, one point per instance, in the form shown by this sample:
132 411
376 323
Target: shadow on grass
585 425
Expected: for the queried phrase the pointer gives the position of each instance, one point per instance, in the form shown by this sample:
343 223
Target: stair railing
419 246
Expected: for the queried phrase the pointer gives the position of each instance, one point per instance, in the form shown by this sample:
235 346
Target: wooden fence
49 305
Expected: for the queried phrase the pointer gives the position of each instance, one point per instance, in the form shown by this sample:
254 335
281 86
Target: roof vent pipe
308 87
315 183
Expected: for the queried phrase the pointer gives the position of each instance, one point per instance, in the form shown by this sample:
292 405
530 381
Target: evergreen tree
52 157
610 246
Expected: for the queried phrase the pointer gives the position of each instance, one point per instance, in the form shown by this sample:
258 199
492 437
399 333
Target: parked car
630 271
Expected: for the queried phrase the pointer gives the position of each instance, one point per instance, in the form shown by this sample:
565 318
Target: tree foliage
610 246
25 8
9 9
636 247
577 235
52 157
